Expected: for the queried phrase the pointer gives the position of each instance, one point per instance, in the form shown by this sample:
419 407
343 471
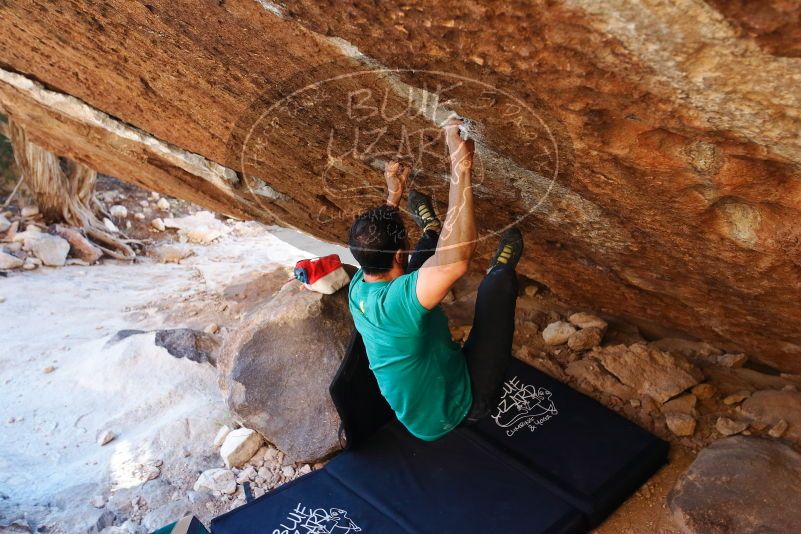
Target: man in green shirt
432 383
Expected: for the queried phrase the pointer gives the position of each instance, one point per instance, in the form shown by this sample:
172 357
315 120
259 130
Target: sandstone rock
712 72
80 246
557 333
52 250
139 216
693 350
649 371
288 471
239 446
588 320
735 398
193 345
163 204
531 290
247 474
276 368
778 430
211 480
5 224
29 211
593 373
585 339
118 211
732 360
737 485
158 224
172 253
105 437
8 261
683 405
770 407
211 328
680 424
704 391
221 435
729 427
110 226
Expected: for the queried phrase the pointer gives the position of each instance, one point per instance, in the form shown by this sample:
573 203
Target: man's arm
457 241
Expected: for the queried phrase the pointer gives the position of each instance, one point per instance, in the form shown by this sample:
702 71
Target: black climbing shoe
510 248
423 211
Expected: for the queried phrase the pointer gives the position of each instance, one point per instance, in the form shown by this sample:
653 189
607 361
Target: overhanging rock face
648 150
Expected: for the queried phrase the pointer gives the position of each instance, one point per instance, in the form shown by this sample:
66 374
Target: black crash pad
313 504
452 485
581 450
548 460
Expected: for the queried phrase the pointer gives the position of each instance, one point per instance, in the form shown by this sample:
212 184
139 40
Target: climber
432 383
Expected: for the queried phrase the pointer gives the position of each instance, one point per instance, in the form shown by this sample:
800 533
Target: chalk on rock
105 437
239 446
557 333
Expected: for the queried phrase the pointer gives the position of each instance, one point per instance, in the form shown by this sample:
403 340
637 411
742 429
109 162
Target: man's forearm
457 240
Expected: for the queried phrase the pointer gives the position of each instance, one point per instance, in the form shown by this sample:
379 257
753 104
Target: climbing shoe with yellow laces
510 248
422 210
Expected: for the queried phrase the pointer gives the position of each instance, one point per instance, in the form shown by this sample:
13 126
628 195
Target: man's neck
388 276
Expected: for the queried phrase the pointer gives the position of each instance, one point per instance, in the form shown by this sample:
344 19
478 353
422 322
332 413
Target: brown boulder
275 369
607 129
648 370
770 407
740 484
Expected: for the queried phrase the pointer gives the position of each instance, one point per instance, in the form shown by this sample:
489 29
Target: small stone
704 391
98 501
216 480
736 398
5 224
264 473
319 465
305 469
158 224
531 290
105 437
29 211
557 333
212 328
288 471
585 339
139 216
684 405
222 433
635 403
144 203
680 424
587 320
247 474
239 446
163 204
49 369
119 211
732 360
9 261
778 430
110 226
172 253
729 427
51 249
30 265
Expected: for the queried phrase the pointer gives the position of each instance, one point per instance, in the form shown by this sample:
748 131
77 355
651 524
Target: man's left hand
396 175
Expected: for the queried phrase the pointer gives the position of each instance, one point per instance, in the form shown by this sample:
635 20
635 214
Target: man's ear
400 257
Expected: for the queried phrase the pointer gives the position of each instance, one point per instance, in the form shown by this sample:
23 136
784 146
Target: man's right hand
461 150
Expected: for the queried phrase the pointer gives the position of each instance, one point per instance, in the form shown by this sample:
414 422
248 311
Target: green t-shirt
420 370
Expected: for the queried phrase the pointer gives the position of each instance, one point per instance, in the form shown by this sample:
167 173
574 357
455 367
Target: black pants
488 348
